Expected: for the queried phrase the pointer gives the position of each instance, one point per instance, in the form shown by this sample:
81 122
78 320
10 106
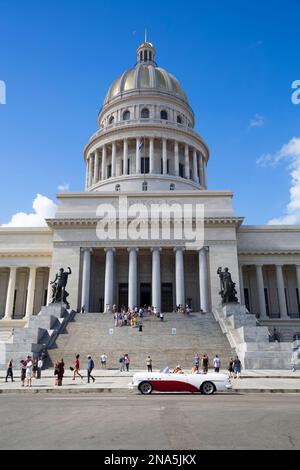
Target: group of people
134 317
124 362
31 368
185 309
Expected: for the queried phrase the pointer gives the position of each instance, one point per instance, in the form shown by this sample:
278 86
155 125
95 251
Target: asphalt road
158 422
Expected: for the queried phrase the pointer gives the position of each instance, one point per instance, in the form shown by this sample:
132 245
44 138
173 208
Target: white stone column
49 294
10 293
298 279
180 286
202 178
132 278
205 173
104 162
109 278
156 278
281 293
195 167
87 169
187 162
151 155
30 293
203 279
114 160
96 167
125 157
138 157
90 170
261 292
176 158
86 279
165 156
241 276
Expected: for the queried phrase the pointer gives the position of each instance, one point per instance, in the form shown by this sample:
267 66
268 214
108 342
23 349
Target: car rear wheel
145 388
208 388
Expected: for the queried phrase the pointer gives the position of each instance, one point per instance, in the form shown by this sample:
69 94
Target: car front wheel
145 388
208 388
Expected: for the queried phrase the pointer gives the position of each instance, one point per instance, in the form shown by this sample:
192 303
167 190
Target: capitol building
147 150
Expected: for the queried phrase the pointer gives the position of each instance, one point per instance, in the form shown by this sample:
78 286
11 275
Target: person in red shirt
77 368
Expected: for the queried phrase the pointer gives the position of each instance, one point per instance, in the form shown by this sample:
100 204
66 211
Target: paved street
160 422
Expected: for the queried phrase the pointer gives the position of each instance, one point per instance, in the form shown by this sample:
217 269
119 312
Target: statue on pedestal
228 291
59 293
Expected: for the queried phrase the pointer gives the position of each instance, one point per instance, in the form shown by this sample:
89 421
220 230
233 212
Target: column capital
156 248
133 249
203 248
106 250
179 248
83 249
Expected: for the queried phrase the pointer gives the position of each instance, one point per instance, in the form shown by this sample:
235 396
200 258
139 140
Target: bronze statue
228 291
59 293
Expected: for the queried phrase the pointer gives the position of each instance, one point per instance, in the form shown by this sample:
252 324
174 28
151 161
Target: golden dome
146 76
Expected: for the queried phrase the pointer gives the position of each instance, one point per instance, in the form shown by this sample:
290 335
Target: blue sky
236 60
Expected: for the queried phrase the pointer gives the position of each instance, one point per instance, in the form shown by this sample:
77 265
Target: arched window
164 115
145 114
179 120
111 120
126 115
118 188
145 186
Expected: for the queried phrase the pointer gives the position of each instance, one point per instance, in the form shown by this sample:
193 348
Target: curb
66 391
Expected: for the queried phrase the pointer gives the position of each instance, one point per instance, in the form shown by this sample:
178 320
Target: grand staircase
91 334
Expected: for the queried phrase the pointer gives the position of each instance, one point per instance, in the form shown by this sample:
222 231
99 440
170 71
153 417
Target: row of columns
11 293
93 162
261 290
156 277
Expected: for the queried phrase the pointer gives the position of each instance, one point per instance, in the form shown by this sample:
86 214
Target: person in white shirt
103 361
39 368
29 365
217 364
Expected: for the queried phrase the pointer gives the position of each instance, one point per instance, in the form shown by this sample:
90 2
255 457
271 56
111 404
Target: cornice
275 252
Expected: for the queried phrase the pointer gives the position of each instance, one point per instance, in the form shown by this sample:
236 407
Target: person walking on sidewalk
103 361
237 368
217 364
149 364
29 366
39 368
9 372
122 363
23 372
90 368
205 364
127 362
77 367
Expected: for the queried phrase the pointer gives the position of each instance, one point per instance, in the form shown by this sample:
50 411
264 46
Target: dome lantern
146 53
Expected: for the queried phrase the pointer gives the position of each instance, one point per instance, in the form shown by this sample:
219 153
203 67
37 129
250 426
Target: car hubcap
146 389
208 389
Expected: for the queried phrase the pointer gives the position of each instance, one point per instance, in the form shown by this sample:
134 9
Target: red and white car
166 381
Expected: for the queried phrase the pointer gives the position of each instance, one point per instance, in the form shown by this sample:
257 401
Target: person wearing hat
90 368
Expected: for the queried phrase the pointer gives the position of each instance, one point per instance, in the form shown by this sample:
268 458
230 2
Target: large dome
146 75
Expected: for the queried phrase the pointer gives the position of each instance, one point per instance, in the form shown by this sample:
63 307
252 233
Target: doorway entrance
167 297
145 294
123 295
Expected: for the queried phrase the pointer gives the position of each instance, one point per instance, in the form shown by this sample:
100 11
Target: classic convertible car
166 381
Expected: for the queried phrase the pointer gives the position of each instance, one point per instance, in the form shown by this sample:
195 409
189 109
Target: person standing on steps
237 368
77 367
90 368
103 361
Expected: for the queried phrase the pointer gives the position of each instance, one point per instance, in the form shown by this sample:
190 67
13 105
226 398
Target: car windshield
165 371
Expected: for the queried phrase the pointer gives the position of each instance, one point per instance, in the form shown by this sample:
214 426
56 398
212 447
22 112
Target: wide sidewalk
114 381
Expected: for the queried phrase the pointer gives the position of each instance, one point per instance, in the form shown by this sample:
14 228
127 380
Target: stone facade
146 149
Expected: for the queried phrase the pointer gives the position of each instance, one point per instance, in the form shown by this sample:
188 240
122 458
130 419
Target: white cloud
257 121
289 153
64 187
43 207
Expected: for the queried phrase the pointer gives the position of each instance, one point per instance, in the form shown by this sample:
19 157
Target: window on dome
145 186
179 120
118 188
111 120
145 56
109 172
150 55
145 165
172 187
164 115
181 170
141 56
126 115
145 114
